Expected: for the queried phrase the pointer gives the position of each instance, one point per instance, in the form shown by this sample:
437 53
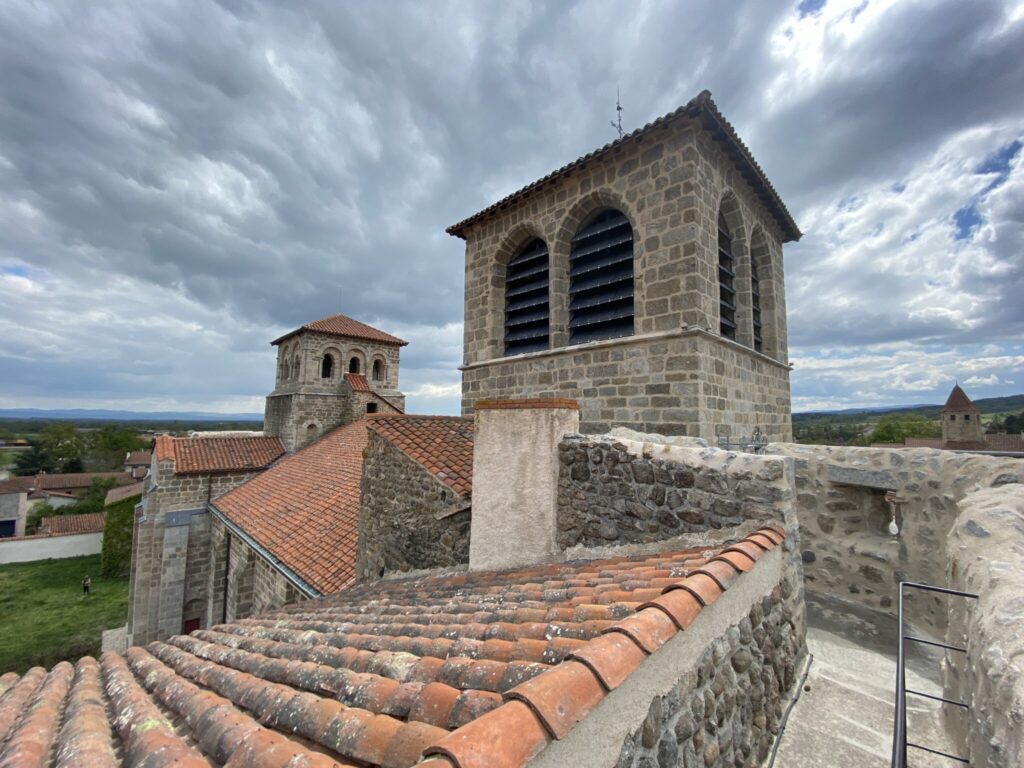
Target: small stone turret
961 421
331 372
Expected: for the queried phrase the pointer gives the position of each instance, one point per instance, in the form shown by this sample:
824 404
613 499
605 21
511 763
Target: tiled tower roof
958 401
342 325
702 107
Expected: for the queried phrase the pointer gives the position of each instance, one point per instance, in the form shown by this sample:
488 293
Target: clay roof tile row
701 106
211 455
63 525
452 671
443 445
346 327
304 511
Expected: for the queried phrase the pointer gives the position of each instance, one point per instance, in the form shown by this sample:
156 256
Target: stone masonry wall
679 383
270 588
288 416
408 519
623 489
241 577
986 557
848 553
163 579
309 348
726 710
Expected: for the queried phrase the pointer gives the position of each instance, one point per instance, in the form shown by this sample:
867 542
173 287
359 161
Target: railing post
899 729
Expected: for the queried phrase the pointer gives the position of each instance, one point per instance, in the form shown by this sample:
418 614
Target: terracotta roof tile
64 525
1004 442
342 325
115 495
211 455
701 106
358 382
305 509
462 670
139 458
443 445
958 401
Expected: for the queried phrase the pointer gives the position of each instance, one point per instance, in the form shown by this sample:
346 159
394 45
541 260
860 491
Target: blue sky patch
809 7
966 219
999 164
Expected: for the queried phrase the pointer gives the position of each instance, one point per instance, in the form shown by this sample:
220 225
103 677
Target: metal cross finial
617 124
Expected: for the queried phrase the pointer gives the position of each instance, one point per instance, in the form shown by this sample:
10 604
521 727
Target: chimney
515 480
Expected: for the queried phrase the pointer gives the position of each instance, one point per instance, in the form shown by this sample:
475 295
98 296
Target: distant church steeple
961 421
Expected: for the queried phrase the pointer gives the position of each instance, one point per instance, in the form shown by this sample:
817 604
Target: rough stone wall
270 588
670 186
726 710
408 519
217 572
678 383
288 416
962 425
172 568
986 557
310 348
240 580
622 489
848 552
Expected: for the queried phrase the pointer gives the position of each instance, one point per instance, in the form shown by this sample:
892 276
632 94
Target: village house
18 495
570 574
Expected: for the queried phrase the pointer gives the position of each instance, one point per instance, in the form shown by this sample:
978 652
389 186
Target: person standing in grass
86 586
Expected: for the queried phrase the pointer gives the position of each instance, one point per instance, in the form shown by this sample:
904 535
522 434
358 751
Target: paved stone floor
844 719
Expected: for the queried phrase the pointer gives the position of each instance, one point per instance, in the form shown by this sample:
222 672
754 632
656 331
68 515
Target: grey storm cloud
212 173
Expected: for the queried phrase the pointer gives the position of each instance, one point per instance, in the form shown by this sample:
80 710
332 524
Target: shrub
116 554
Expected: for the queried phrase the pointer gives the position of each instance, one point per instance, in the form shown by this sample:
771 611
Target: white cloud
180 185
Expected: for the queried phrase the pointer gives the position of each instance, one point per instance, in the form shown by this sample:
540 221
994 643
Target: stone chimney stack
515 480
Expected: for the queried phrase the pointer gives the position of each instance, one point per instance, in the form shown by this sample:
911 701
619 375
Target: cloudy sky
181 182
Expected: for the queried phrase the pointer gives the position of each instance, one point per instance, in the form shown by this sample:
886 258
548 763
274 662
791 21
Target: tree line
63 448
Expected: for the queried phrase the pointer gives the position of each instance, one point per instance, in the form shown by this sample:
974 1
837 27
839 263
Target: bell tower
331 372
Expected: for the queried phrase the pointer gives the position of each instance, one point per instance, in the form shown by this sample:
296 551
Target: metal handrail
899 731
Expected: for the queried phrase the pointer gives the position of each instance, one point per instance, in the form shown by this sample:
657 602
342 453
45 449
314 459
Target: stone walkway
846 717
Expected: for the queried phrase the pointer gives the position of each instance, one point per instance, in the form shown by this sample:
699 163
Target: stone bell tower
331 372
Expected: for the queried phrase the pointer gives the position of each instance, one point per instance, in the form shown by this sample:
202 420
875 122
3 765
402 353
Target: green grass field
46 619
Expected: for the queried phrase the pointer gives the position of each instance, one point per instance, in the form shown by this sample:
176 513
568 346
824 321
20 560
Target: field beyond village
45 617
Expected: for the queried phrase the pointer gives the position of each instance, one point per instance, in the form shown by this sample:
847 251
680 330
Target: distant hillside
87 414
855 425
1010 403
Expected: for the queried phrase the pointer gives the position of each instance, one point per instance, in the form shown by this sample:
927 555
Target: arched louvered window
726 281
378 370
526 299
353 365
755 302
327 367
601 279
